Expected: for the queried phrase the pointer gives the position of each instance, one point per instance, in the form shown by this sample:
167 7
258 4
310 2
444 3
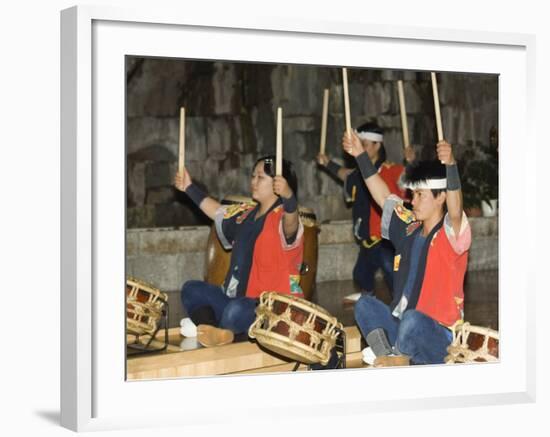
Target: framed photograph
121 217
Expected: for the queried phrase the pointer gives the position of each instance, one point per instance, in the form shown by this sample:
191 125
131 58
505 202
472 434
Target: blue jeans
379 256
235 314
416 335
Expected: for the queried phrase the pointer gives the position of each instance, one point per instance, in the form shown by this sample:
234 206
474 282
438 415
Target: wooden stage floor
186 358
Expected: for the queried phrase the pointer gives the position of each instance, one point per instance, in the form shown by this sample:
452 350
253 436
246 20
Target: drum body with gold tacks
295 328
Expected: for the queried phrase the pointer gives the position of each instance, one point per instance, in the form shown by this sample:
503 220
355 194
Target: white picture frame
94 394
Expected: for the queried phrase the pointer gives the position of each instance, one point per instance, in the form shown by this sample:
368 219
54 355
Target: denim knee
364 307
232 313
189 290
408 330
238 315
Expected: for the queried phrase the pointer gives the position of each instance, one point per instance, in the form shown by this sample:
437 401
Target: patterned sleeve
396 220
227 220
350 188
461 242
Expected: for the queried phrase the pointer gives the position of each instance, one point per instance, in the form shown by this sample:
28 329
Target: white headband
430 184
372 136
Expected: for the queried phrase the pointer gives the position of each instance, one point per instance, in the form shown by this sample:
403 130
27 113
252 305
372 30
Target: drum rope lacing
143 316
459 350
313 345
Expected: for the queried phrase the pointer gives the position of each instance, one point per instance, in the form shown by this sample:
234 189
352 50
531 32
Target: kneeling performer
431 252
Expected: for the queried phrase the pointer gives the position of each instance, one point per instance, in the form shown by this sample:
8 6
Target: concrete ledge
165 241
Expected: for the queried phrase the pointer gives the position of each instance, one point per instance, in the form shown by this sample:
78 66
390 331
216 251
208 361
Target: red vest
272 266
442 293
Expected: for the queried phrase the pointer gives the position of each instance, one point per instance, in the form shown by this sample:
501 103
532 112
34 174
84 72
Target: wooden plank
208 361
159 344
232 358
354 360
353 339
174 336
287 367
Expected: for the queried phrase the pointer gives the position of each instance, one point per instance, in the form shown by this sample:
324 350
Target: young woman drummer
266 240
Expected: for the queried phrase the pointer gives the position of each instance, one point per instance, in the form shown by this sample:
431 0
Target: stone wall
230 123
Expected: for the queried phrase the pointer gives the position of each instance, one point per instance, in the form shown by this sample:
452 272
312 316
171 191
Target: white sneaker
368 356
188 328
190 343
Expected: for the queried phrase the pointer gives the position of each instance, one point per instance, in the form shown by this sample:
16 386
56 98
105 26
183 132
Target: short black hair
288 171
421 171
370 126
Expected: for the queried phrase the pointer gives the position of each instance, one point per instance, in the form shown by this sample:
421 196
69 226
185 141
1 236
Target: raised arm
183 182
454 191
291 219
337 170
375 184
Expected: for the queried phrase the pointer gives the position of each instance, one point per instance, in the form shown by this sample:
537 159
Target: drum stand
339 350
138 348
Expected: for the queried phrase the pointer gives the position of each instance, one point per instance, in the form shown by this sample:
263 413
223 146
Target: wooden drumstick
346 101
437 109
279 151
404 125
324 123
181 155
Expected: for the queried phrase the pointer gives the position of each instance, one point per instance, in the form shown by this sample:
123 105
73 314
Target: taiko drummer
266 240
431 252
